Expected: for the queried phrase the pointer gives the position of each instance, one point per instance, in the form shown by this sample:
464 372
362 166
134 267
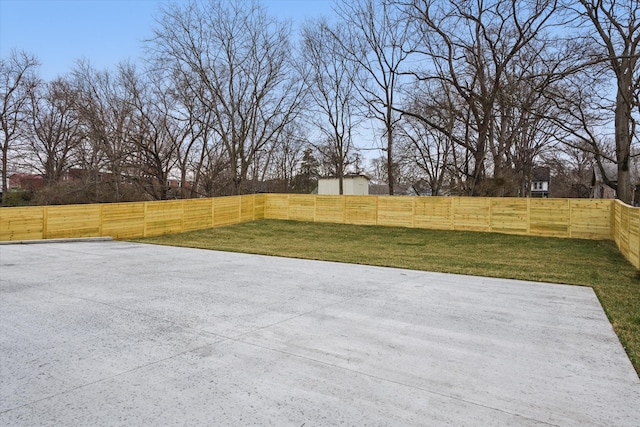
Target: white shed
357 185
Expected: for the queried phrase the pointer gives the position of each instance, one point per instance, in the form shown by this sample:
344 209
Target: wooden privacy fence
625 226
127 220
569 218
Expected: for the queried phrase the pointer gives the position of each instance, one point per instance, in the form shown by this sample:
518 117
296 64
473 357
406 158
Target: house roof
541 174
348 176
611 172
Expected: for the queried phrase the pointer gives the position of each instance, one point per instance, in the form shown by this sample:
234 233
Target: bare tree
525 124
617 27
428 149
282 161
17 79
469 47
108 116
55 130
154 139
378 40
243 60
571 170
581 115
306 178
332 87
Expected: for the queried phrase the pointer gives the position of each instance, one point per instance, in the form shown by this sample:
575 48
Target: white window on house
535 185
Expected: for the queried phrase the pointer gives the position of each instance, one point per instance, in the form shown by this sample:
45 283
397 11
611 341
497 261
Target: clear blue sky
59 32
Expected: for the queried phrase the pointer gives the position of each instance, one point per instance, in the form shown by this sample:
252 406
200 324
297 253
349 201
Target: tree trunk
5 187
390 172
623 135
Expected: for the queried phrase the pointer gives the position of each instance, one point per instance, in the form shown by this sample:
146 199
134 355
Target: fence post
528 216
182 203
45 220
377 209
614 207
570 218
452 213
144 220
101 220
490 214
413 211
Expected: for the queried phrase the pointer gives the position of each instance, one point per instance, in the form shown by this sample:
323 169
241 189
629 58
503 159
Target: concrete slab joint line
102 332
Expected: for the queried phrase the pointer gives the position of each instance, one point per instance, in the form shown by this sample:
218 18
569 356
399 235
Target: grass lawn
597 264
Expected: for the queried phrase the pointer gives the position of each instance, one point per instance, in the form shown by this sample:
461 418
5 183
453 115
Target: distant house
601 190
540 179
357 185
418 188
25 182
383 189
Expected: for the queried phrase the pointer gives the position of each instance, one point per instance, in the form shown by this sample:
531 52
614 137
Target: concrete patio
107 333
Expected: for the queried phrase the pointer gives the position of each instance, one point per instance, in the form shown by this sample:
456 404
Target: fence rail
568 218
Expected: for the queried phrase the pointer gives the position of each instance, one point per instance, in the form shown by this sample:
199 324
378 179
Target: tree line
465 96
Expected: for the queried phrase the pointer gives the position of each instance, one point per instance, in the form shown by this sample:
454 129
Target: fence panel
590 219
395 211
624 230
360 210
247 208
22 223
123 220
276 206
330 209
259 201
226 210
72 221
164 217
472 213
198 214
510 215
549 217
302 207
433 213
634 237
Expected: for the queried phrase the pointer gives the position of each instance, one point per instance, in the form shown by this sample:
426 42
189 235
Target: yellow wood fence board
21 223
634 237
395 211
471 213
259 201
198 214
590 219
509 215
360 210
433 213
330 209
123 220
164 217
549 217
624 230
302 207
617 214
276 206
226 210
72 221
247 208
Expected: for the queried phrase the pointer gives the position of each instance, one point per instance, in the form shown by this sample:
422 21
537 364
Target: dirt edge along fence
567 218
